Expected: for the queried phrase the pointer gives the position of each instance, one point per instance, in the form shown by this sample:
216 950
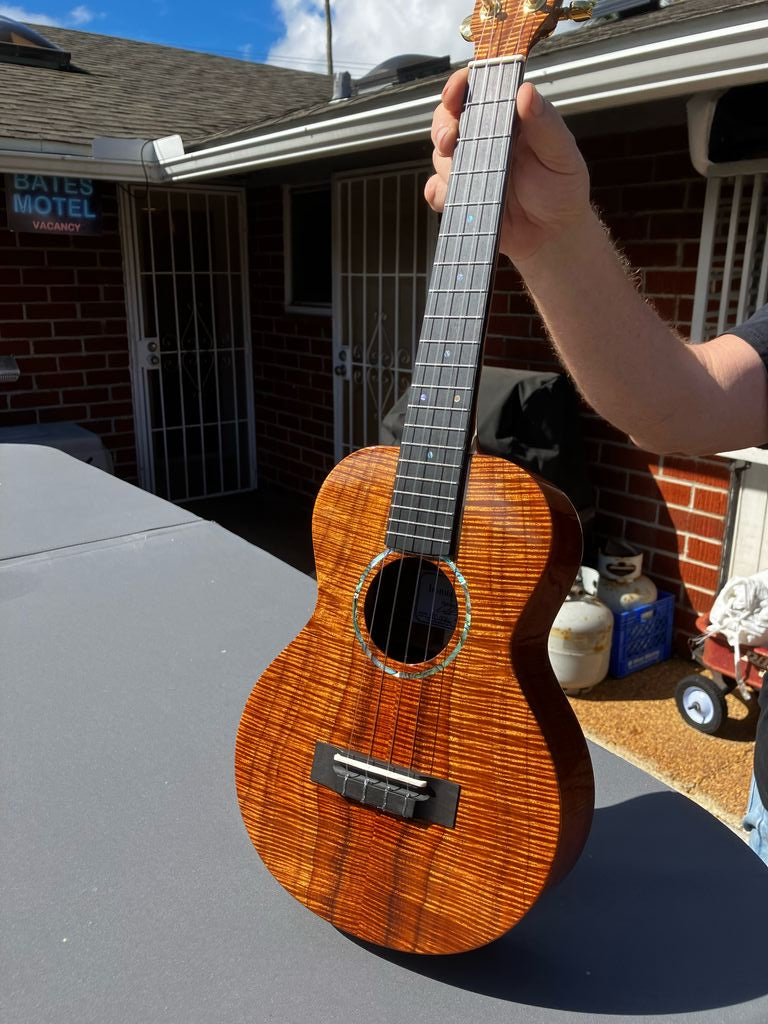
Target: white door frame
340 356
135 320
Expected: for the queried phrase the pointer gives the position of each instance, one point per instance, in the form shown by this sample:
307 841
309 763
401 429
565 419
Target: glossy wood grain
494 721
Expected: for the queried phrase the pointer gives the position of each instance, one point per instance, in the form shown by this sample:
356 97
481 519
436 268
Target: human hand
549 187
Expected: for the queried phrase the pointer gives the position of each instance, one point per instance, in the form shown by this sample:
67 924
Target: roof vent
626 8
20 44
408 67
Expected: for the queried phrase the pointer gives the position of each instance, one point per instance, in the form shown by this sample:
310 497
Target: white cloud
366 32
80 15
30 17
246 51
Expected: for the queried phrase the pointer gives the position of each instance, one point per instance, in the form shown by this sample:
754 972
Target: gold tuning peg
579 10
466 29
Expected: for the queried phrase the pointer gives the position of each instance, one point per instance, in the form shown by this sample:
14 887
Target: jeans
756 823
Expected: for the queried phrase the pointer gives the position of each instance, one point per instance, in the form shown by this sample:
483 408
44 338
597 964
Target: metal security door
384 243
191 360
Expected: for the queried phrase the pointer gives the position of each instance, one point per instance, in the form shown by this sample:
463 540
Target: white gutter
607 73
105 158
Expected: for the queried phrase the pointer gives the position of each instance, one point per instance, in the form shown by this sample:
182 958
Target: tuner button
466 29
579 10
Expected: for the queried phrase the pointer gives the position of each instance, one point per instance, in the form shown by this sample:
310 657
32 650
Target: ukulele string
432 500
468 135
470 175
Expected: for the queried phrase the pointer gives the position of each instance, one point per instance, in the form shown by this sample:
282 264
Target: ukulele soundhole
411 610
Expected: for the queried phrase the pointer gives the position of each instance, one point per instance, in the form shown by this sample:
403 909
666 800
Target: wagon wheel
701 702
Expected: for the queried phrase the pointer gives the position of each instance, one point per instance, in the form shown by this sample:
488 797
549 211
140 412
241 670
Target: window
308 274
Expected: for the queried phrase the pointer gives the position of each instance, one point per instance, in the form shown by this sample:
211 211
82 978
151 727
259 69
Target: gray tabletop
132 893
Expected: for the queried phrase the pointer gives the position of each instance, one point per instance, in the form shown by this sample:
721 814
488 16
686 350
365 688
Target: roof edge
725 49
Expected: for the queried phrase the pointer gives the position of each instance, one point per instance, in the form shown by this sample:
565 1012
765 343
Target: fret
462 279
449 366
439 409
434 464
434 444
449 205
428 426
465 234
429 511
458 291
425 480
416 536
488 170
411 522
453 316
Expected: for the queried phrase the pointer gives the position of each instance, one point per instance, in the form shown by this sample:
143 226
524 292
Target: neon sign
51 205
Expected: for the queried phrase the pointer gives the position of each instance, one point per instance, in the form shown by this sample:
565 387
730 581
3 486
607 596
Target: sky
286 32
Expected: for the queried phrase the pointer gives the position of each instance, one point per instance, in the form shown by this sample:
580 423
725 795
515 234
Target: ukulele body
485 713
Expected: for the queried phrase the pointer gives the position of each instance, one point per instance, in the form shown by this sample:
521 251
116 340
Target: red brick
33 399
701 551
696 470
51 311
89 362
714 502
76 328
25 329
48 276
674 494
699 576
15 348
58 380
76 413
690 522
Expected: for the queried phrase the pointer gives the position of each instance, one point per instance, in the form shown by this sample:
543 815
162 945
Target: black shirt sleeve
755 331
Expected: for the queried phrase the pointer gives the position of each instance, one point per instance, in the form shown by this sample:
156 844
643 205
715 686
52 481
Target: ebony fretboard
440 420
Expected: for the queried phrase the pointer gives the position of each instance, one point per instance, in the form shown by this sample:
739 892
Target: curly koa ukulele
408 768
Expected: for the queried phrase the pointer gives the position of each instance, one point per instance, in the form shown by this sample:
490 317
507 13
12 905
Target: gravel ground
637 718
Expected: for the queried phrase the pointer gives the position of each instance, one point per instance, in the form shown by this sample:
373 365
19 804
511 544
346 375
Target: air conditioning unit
728 131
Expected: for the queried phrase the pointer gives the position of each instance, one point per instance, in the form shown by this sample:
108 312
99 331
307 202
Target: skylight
20 44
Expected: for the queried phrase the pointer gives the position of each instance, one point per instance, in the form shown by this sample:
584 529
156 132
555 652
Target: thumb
545 132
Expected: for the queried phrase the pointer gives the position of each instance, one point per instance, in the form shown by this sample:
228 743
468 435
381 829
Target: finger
445 132
442 164
435 192
545 132
455 92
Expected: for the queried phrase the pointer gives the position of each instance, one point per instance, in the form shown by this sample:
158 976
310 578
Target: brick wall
62 315
292 363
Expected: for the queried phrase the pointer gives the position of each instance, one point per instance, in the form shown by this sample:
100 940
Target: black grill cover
530 418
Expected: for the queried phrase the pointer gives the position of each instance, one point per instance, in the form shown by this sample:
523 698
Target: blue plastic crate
642 636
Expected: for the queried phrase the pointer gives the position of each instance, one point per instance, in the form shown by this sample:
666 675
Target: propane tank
580 638
622 585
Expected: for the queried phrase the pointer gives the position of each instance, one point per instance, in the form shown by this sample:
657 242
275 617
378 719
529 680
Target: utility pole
328 37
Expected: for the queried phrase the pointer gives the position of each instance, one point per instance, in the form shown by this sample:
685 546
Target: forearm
629 365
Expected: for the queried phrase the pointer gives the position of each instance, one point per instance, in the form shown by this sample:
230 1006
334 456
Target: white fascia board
105 158
615 72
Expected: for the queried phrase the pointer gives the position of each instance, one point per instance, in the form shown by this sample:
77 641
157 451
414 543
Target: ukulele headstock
509 28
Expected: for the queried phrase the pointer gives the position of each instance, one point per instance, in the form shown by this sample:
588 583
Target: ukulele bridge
385 787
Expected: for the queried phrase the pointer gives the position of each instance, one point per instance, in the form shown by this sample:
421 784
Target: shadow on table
664 913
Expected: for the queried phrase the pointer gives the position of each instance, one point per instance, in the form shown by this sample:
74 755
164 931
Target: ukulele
409 768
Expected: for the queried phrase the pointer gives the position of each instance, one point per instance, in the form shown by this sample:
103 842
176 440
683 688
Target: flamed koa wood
473 703
494 721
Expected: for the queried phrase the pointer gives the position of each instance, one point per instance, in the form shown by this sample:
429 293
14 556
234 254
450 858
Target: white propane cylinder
580 638
621 586
623 595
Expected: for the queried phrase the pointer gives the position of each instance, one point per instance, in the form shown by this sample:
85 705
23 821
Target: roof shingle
141 90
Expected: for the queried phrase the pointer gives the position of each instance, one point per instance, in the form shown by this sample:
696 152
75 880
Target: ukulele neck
439 427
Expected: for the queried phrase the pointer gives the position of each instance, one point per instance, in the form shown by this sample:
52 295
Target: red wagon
700 697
